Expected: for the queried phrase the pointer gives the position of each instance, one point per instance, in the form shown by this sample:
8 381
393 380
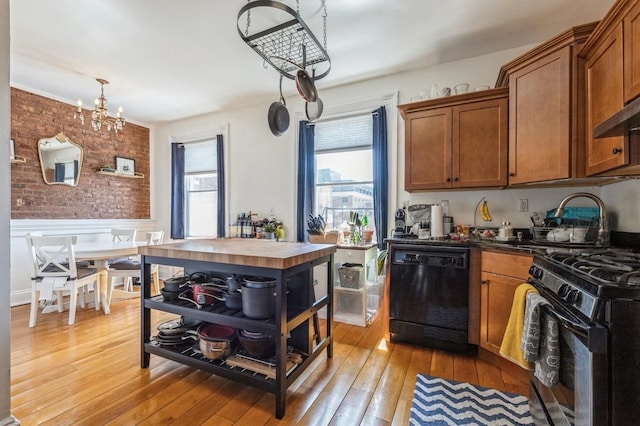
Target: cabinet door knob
448 179
455 180
616 151
511 174
484 282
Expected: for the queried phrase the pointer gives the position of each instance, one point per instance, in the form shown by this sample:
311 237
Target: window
344 169
200 189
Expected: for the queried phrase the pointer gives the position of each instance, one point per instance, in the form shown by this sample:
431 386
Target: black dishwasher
429 296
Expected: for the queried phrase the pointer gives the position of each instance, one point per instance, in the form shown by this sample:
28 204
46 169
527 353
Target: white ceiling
168 59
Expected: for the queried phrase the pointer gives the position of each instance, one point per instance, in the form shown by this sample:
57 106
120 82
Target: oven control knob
535 272
572 296
563 291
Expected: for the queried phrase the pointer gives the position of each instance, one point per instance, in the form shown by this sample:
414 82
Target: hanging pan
313 110
304 82
278 116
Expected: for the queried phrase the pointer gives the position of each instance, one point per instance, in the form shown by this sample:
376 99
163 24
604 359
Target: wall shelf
18 159
114 173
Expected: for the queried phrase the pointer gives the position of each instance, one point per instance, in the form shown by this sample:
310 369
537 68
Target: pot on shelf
216 341
233 299
257 345
258 297
175 284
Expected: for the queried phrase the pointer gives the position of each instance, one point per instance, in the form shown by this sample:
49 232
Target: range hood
622 123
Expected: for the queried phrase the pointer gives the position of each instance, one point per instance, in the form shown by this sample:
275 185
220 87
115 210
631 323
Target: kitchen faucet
603 230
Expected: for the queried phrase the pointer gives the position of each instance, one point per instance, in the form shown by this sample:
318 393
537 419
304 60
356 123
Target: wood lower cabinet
456 142
546 121
500 276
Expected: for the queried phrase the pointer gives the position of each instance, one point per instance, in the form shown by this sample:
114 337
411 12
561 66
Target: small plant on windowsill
269 230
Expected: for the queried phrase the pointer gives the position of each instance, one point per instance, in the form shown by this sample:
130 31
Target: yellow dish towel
510 347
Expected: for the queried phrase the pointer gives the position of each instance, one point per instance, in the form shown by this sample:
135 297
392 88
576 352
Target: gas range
586 280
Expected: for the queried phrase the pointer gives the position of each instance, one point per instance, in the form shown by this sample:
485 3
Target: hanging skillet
304 83
313 110
278 116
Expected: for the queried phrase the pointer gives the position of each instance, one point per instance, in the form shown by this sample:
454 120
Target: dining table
99 252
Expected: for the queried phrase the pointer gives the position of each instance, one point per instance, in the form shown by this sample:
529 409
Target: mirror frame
61 139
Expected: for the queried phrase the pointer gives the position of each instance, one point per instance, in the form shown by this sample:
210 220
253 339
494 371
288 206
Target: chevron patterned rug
446 402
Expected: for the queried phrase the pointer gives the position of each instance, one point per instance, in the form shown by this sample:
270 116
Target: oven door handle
592 335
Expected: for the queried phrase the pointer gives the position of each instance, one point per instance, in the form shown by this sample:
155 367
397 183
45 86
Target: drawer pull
616 151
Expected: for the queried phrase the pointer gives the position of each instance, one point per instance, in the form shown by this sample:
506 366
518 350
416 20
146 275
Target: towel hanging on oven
540 340
510 346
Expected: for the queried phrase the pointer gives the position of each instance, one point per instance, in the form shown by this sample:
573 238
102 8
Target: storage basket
349 274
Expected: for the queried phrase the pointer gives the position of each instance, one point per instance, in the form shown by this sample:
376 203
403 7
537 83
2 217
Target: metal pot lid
177 323
259 282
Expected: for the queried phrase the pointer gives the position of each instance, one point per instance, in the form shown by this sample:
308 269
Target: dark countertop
524 246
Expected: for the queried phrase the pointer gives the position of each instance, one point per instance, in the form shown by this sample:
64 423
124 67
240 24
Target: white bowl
558 235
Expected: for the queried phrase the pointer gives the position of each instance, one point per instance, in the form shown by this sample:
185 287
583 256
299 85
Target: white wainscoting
87 230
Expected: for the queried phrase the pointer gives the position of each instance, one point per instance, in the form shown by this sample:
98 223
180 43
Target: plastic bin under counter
355 303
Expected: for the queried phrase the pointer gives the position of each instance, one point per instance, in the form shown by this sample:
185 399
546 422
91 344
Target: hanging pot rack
283 46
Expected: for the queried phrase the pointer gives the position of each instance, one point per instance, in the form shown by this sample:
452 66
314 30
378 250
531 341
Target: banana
484 212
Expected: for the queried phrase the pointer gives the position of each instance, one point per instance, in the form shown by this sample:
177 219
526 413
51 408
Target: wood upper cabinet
604 97
501 274
545 114
631 58
456 142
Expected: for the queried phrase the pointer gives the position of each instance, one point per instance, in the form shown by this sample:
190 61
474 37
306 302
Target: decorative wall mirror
60 160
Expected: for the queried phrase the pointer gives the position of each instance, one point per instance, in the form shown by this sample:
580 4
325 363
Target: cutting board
258 367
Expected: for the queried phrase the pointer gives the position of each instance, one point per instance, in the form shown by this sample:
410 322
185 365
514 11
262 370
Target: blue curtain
221 197
380 174
177 191
306 178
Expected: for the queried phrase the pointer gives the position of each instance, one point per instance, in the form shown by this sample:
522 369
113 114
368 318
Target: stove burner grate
612 268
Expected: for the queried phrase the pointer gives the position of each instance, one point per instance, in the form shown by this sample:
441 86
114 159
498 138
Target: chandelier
100 114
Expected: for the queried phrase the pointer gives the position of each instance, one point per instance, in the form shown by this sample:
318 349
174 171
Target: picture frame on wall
126 166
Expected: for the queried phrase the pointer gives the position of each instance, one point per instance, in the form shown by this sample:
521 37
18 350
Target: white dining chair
54 271
155 238
120 265
129 268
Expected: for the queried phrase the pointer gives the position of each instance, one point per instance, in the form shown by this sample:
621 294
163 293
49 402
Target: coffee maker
401 223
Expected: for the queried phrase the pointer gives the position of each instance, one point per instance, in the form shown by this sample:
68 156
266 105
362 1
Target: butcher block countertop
238 251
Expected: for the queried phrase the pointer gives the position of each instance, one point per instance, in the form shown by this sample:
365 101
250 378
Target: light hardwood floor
89 374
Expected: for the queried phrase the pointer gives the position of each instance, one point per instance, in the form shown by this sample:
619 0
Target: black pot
258 297
233 299
175 284
257 344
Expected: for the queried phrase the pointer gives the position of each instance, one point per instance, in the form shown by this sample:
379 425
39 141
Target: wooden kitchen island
294 325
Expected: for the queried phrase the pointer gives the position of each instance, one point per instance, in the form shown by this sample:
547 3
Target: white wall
261 168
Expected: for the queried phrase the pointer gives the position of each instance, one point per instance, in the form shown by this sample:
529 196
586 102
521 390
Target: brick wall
96 196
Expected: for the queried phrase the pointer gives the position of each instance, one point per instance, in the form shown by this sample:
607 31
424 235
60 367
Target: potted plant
355 227
269 230
106 168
